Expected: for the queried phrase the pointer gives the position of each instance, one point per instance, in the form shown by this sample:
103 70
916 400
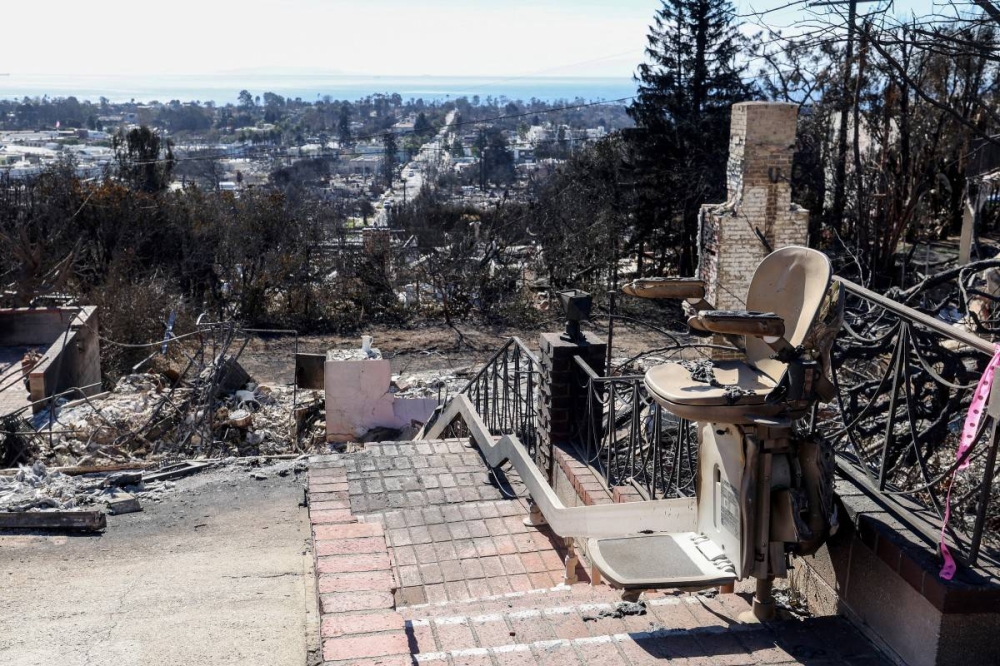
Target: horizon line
264 72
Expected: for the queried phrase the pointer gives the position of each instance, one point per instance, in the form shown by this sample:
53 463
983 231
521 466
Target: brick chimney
759 199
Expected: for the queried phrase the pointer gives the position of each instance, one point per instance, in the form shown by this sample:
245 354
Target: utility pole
840 175
482 161
628 181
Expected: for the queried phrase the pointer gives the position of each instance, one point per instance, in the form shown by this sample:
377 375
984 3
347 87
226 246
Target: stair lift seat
790 284
739 389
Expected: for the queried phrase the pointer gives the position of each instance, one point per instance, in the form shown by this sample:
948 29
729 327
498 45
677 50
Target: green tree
421 126
246 100
273 107
344 124
497 160
140 165
411 145
686 90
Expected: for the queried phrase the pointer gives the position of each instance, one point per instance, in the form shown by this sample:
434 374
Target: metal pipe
926 321
763 599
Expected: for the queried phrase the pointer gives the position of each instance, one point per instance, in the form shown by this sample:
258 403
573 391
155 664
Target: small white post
968 227
534 517
569 577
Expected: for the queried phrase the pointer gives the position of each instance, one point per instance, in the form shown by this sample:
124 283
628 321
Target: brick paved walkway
420 561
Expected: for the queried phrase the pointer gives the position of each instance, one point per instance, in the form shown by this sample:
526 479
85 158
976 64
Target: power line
758 14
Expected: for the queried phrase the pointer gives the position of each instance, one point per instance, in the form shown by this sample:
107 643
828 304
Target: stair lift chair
764 489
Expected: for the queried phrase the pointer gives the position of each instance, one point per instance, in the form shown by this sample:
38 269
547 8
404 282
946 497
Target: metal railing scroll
904 384
627 438
505 394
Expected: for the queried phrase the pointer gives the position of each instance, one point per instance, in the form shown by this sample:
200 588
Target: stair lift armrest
690 289
766 325
692 307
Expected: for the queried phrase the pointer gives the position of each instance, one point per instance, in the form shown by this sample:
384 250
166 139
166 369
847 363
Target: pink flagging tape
977 412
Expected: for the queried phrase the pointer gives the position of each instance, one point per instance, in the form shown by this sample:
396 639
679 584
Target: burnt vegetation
896 134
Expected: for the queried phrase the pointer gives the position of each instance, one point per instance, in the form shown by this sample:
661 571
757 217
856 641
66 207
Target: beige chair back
792 283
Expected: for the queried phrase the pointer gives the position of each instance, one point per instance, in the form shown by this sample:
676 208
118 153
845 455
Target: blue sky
375 37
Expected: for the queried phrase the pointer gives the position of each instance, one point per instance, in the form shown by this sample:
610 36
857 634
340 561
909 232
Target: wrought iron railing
505 394
627 438
904 383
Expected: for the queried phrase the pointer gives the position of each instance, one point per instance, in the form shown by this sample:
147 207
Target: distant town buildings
431 151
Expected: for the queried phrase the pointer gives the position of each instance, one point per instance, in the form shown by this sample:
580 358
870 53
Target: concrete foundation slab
218 573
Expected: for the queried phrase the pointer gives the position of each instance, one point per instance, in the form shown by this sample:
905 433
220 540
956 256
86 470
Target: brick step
561 595
560 626
701 629
624 648
397 475
584 599
424 447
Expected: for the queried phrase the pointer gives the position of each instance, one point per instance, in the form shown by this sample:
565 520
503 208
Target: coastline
223 89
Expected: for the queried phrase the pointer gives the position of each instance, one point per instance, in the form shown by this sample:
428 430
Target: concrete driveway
219 572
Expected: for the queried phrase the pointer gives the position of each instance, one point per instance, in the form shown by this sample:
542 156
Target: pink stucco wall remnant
358 399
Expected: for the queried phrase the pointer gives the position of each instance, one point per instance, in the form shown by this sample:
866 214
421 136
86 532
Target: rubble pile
353 355
38 488
365 353
262 420
430 384
120 449
34 487
148 418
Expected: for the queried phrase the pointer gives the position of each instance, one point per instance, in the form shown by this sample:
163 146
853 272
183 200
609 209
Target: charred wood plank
80 521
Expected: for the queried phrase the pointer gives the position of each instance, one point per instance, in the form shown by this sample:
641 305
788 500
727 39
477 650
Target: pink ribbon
977 412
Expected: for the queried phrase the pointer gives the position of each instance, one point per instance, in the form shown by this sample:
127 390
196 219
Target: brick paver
449 546
421 562
339 625
356 579
372 645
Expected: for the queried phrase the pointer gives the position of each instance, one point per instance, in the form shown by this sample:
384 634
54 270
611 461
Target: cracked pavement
154 589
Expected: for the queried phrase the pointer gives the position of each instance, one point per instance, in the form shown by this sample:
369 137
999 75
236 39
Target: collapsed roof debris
205 408
36 487
144 419
210 408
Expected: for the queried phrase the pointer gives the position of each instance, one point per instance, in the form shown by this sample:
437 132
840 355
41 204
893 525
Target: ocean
224 88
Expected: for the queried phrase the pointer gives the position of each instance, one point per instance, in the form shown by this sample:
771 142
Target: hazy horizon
461 38
224 88
371 38
114 50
